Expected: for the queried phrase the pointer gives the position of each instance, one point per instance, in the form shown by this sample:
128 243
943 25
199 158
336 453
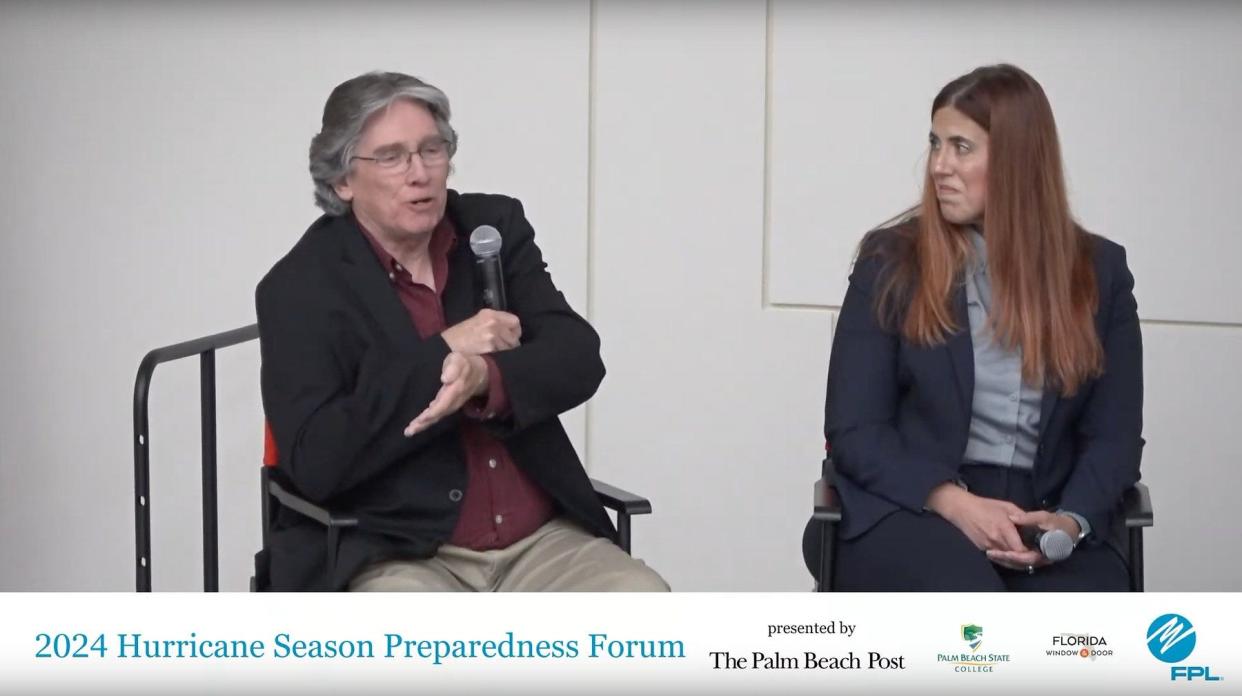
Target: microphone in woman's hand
1055 544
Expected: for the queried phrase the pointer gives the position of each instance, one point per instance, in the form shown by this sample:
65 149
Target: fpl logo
1171 638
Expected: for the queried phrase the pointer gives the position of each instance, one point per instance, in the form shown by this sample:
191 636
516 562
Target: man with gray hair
392 398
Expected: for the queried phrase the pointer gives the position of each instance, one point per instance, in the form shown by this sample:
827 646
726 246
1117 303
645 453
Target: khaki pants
557 557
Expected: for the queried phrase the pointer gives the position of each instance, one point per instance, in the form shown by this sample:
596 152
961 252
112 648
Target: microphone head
1056 545
485 241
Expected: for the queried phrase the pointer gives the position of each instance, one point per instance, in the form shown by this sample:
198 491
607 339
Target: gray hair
345 114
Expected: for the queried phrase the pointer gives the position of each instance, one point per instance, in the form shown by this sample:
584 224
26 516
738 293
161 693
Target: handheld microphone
485 242
1055 544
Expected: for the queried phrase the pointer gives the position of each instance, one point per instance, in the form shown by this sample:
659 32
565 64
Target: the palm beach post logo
973 661
1171 638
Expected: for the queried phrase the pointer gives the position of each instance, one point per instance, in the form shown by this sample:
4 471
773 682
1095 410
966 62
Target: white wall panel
711 402
1191 462
1147 98
155 168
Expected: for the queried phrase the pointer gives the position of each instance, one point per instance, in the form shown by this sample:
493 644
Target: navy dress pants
922 552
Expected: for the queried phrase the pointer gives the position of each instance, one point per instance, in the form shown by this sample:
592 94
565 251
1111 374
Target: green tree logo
973 635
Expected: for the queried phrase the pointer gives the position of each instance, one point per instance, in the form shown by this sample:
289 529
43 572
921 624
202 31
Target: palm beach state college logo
973 635
972 661
1171 638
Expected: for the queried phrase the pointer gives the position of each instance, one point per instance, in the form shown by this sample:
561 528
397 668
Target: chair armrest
308 509
621 500
612 498
827 502
1137 506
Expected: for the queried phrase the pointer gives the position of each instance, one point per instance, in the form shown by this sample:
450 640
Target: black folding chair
623 503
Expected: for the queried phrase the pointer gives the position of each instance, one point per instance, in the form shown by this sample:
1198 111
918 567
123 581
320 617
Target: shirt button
455 495
491 463
1009 439
1013 397
499 519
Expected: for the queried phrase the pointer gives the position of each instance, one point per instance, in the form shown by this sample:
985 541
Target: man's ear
343 189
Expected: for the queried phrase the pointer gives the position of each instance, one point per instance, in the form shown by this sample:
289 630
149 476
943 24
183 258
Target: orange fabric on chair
270 456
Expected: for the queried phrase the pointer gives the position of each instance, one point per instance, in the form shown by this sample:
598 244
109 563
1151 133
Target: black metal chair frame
622 502
827 514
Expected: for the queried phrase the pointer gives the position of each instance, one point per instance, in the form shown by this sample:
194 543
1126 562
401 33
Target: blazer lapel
962 354
459 298
1047 407
363 273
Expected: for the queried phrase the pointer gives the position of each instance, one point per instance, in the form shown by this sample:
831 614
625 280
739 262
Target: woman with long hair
985 385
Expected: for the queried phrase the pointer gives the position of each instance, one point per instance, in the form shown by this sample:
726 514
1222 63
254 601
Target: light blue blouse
1004 413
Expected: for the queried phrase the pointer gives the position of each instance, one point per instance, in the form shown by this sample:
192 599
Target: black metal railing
205 348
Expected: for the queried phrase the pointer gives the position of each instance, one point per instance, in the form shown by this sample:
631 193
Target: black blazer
897 415
344 371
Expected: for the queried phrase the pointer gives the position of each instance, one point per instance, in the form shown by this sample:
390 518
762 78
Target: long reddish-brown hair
1039 259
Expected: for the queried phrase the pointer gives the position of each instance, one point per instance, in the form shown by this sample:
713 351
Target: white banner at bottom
719 643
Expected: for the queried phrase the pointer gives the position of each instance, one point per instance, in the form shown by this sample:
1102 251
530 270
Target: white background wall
698 174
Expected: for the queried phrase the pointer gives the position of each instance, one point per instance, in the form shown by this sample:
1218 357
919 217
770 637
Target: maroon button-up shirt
501 503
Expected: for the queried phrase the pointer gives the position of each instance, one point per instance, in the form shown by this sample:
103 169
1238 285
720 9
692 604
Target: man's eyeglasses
433 153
